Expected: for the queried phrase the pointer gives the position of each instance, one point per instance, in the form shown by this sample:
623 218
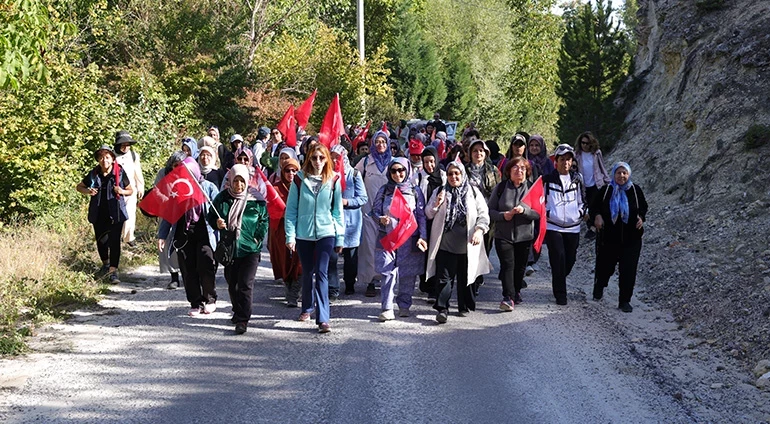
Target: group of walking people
446 214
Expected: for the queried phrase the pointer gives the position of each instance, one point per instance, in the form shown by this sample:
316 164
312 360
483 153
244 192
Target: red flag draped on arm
288 128
175 194
332 126
275 205
535 199
303 112
407 223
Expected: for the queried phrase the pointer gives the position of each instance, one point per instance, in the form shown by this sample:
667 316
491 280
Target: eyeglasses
397 170
518 168
243 159
318 158
585 143
454 173
289 171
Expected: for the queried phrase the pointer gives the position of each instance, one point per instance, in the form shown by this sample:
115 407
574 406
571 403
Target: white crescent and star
181 181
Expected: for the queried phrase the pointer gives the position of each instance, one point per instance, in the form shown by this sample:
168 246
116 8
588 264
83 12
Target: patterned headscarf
381 159
235 216
456 207
245 151
619 200
404 186
540 159
340 150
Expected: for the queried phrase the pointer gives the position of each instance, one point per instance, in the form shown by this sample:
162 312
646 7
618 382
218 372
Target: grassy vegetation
47 269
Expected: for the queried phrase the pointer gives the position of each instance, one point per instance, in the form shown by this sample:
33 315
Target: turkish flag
303 112
175 194
276 207
287 127
361 136
407 223
332 126
535 199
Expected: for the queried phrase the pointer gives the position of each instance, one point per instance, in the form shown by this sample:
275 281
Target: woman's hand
478 237
439 199
517 210
599 222
385 220
117 190
92 192
221 224
344 202
422 245
290 246
161 244
338 249
639 223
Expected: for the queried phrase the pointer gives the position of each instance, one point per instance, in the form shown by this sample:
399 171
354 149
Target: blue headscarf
619 200
381 159
192 144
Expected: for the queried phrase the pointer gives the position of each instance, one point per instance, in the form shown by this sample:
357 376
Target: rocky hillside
698 125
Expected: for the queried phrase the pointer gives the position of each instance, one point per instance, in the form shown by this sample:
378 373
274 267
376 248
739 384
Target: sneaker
350 291
104 270
324 327
506 306
209 308
172 285
441 317
524 284
333 298
132 243
625 307
304 317
194 312
590 235
561 302
430 300
240 328
463 314
114 278
403 312
517 299
387 315
370 290
529 271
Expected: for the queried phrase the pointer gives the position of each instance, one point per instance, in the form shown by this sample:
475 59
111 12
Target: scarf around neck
619 200
457 208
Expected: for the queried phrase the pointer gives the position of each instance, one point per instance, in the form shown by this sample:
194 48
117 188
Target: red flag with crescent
303 112
175 194
407 223
535 199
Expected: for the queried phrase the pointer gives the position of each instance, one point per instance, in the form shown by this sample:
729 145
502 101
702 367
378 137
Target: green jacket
253 225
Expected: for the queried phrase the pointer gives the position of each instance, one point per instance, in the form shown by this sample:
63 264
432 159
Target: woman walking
430 178
404 264
129 160
619 212
314 228
194 241
168 260
285 263
483 175
590 165
541 165
460 219
514 229
108 185
236 210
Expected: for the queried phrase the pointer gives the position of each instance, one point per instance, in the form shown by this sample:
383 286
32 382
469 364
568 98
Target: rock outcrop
697 137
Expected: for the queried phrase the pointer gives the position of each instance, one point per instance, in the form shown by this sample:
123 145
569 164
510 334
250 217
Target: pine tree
461 90
593 64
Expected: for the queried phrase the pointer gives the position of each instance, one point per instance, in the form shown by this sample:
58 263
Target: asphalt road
141 359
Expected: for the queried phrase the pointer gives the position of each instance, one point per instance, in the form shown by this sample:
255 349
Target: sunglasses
318 158
243 159
289 171
585 143
397 170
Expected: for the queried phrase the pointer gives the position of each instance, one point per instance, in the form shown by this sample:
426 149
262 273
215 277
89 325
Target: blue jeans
314 256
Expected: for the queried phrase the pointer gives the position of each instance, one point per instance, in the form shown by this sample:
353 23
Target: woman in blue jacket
353 197
315 229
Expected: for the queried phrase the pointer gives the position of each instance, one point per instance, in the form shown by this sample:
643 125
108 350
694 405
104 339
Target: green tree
593 64
462 96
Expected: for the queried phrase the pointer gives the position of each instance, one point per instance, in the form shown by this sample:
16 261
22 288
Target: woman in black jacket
618 211
514 228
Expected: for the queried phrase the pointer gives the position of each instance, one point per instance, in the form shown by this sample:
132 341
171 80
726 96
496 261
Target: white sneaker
387 315
209 308
194 312
529 271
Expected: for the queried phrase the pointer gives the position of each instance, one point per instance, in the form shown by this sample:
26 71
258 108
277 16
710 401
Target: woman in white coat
460 219
129 160
374 171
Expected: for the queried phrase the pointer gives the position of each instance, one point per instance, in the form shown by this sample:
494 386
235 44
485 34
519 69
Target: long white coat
373 180
133 170
478 262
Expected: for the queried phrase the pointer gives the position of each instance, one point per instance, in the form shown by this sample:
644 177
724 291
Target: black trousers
108 239
591 192
452 267
197 264
513 263
240 284
562 252
610 254
350 268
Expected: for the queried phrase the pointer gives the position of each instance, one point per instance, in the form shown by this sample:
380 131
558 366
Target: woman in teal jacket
238 211
314 228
